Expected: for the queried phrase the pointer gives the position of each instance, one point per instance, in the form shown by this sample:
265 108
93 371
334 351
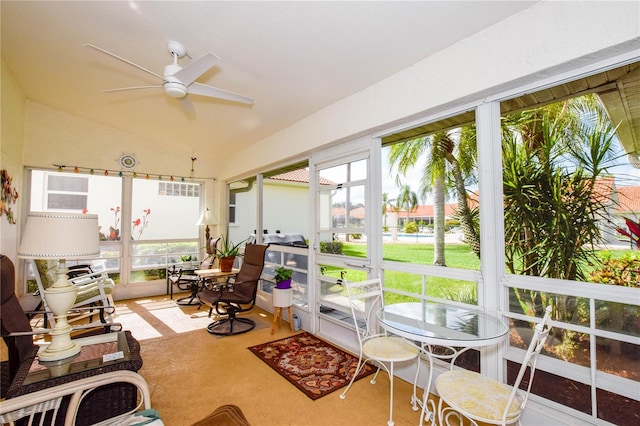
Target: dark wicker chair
20 348
238 295
102 403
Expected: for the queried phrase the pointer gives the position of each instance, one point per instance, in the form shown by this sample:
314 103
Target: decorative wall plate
128 161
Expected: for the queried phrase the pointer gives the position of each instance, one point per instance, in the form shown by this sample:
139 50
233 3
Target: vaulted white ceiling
292 58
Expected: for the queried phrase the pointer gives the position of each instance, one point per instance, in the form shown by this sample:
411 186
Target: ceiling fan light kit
175 89
179 81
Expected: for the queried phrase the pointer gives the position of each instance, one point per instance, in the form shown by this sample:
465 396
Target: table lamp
206 218
61 236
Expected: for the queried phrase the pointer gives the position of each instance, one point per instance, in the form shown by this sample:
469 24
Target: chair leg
360 366
414 396
375 377
390 422
225 327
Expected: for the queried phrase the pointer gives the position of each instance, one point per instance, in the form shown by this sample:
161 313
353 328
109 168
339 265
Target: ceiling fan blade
187 108
124 60
213 92
120 89
188 74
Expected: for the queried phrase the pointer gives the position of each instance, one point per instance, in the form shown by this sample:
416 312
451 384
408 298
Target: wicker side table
102 403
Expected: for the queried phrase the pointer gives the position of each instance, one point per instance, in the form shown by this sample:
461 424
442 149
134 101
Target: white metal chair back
480 398
529 361
365 298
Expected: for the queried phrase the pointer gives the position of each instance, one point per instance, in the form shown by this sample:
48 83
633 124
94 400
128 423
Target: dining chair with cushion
479 398
365 299
237 295
94 289
186 280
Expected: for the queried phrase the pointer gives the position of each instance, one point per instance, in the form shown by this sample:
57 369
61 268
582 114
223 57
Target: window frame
123 246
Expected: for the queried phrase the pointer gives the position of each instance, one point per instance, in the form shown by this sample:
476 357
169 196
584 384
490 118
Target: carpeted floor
312 365
191 373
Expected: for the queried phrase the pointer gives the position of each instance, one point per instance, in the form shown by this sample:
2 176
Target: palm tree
462 169
386 203
407 200
553 161
441 162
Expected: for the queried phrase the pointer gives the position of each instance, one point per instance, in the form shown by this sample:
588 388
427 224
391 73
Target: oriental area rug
312 365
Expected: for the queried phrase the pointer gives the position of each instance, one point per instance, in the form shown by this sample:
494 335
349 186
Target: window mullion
125 230
491 217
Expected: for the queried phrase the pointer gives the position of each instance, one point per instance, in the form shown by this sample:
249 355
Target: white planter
282 297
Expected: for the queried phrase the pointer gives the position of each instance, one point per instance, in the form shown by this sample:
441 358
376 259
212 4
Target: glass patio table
436 324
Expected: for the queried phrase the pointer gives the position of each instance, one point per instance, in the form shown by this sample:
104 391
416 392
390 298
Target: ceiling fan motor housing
177 90
172 86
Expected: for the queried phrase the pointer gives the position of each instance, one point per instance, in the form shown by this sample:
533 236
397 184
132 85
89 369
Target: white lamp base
59 367
60 297
61 347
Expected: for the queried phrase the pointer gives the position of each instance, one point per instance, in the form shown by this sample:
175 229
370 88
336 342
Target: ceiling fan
179 82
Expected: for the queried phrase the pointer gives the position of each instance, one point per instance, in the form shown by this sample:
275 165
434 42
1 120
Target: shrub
410 228
624 271
331 247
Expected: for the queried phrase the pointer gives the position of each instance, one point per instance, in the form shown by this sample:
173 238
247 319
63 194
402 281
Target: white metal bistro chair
482 399
365 298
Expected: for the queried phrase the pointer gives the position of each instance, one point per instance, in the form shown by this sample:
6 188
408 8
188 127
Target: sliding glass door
342 229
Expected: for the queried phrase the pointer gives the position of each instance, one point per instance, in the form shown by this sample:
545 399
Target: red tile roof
426 211
629 199
300 175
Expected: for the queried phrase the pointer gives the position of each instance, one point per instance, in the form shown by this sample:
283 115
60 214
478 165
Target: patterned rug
312 365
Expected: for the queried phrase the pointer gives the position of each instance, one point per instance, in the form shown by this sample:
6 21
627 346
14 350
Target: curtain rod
121 173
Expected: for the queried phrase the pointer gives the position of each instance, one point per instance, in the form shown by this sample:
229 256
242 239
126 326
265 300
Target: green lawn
457 256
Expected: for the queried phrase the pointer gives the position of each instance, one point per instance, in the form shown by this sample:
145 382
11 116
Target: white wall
56 137
11 147
290 217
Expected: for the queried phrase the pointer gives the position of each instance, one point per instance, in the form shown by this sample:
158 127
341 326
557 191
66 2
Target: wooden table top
216 273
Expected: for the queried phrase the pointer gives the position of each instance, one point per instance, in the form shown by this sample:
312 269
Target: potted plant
283 277
227 252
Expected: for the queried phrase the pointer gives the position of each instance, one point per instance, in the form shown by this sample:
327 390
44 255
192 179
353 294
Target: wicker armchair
108 400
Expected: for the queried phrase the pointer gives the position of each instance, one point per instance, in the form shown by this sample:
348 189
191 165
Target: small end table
105 401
